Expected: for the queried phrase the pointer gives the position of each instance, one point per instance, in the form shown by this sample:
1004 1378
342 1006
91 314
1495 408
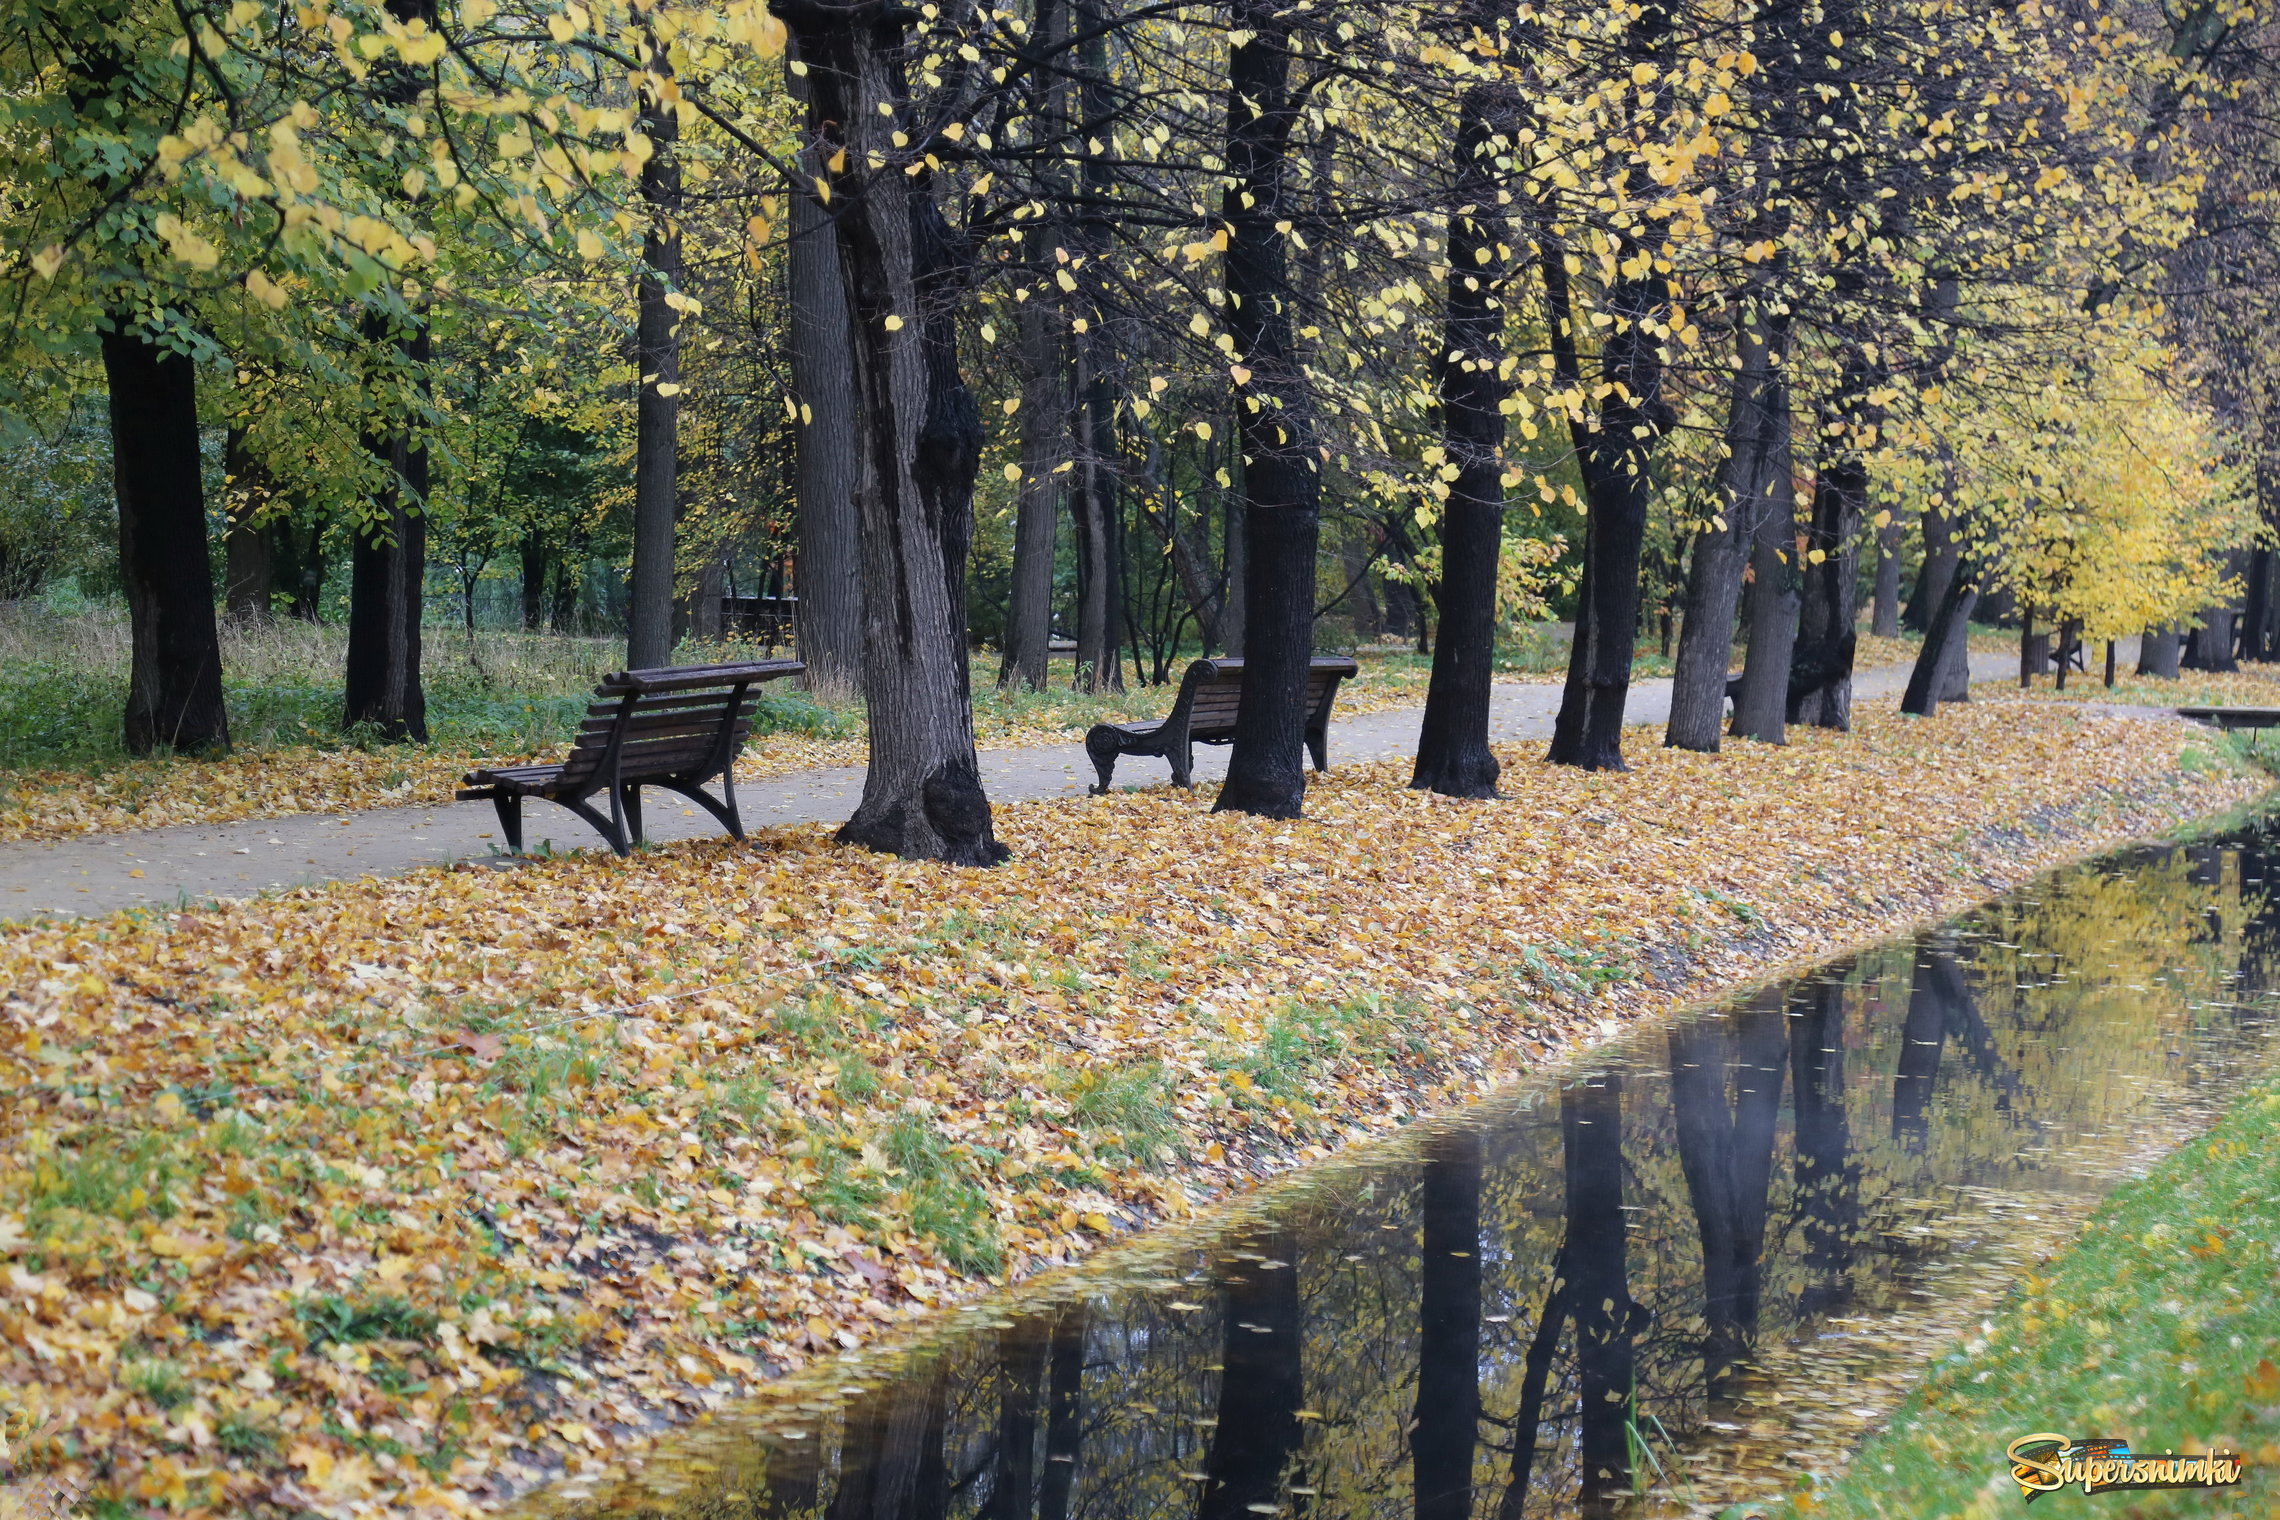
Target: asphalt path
196 863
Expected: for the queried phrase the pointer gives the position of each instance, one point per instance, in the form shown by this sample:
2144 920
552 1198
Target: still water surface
1696 1269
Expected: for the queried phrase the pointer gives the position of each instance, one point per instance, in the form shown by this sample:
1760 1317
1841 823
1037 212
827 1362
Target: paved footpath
191 863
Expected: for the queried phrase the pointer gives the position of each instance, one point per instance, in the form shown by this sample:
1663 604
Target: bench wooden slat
681 677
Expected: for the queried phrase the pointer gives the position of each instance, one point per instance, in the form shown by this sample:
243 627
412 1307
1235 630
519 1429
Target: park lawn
401 1191
2159 1325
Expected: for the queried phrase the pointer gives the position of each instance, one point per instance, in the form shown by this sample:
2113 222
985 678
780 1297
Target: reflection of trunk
1714 572
1598 1265
174 690
1775 595
827 444
1965 1025
247 560
1013 1466
904 269
1448 1342
1281 479
1044 434
657 387
2159 651
891 1464
1728 1161
1064 1413
1261 1390
1922 1035
1945 658
1828 1179
1536 1371
792 1484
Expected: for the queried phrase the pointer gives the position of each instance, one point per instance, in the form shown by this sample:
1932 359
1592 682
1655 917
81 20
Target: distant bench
2233 717
676 728
1210 695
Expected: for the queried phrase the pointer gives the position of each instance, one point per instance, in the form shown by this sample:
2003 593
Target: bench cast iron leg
1318 744
632 794
1183 765
510 820
1104 761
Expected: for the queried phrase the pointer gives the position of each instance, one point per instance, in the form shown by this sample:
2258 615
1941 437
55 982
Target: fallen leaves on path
407 1193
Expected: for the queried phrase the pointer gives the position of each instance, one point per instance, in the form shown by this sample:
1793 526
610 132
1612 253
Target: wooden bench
2233 717
676 728
1210 694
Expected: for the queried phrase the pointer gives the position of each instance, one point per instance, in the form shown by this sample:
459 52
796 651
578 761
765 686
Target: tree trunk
2159 651
1045 423
1884 606
704 599
2034 648
657 400
534 560
1947 646
1233 610
1282 484
1821 669
2257 612
1094 514
922 796
2210 646
1827 1176
1775 596
1714 569
387 584
248 547
1936 572
1453 756
1447 1434
827 445
174 683
1255 1444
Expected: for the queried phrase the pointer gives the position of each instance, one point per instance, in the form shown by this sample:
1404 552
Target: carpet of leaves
302 778
406 1195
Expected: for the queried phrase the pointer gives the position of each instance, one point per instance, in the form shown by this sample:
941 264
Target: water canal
1694 1269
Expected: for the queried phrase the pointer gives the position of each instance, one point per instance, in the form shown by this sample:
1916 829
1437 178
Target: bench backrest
668 722
1211 693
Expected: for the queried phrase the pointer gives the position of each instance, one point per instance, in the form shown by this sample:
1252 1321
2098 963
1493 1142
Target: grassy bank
419 1184
2160 1326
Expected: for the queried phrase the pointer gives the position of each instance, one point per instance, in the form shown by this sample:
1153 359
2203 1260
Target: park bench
677 728
1210 694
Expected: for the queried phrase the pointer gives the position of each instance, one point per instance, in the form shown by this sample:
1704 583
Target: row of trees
1761 280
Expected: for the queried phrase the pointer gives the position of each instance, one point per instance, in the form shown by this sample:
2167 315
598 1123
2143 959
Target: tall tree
906 273
657 364
1045 423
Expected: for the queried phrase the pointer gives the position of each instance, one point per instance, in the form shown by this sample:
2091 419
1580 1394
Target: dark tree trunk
2069 640
827 446
1282 486
1064 1413
2210 646
1714 571
569 576
1453 756
248 558
1923 1035
1234 611
1935 574
1045 423
2159 651
1442 1446
1821 669
2034 648
1255 1445
657 400
174 683
1535 1374
1884 606
1597 1260
1727 1156
1098 522
387 585
2256 618
891 1464
533 562
1013 1465
1775 596
922 796
1947 649
1827 1175
297 560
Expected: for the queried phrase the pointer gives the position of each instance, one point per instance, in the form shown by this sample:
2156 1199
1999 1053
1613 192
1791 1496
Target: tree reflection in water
1532 1313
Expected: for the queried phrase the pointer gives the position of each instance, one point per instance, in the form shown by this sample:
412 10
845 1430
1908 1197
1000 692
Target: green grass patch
2158 1326
334 1318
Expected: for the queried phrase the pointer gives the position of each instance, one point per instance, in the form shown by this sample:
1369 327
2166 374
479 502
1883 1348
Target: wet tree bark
2159 652
1776 592
1255 1445
827 444
1045 423
1064 1413
1606 1319
922 795
1727 1157
387 586
1281 483
1714 571
1447 1429
1821 669
1453 756
248 547
1827 1175
657 399
174 682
